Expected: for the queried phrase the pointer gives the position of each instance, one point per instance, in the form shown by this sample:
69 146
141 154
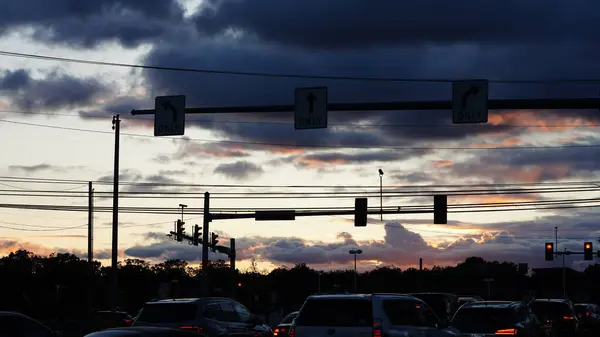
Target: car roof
363 296
492 304
190 300
550 300
142 331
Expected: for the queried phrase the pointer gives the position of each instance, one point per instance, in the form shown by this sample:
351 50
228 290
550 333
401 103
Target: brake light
377 328
278 330
587 314
128 321
292 332
506 332
568 318
192 327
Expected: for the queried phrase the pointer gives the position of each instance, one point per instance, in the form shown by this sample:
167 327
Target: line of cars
437 315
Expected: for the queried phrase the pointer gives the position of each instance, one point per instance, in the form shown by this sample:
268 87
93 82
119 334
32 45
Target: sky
55 122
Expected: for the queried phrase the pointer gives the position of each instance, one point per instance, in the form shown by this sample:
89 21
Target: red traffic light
588 246
239 284
548 246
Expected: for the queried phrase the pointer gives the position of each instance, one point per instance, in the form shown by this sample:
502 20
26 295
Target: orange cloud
492 198
539 123
443 163
315 163
529 174
507 141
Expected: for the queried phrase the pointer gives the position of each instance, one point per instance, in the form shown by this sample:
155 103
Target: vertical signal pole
232 265
90 223
115 220
205 242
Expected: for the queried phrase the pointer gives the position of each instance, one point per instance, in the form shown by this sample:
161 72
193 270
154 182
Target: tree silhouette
61 287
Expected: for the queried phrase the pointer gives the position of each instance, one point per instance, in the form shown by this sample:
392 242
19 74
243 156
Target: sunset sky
56 124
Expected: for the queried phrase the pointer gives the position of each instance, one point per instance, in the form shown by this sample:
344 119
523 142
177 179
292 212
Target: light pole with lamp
381 193
355 252
182 207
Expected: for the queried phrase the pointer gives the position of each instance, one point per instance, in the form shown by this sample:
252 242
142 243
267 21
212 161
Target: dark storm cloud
56 90
338 24
89 23
333 159
239 170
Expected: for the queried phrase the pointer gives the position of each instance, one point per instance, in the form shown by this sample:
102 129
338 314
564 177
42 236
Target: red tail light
587 314
377 328
192 327
568 318
128 321
506 332
292 332
278 330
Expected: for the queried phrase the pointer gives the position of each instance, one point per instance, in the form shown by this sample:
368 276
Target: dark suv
210 316
498 318
560 313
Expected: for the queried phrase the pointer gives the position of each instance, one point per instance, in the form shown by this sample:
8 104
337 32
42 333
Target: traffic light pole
207 218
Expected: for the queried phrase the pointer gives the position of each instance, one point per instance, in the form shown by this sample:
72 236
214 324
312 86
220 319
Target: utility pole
205 243
232 257
421 274
381 193
564 271
90 223
115 221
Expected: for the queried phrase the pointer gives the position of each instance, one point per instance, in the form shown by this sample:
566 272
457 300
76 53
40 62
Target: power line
318 146
300 195
60 181
353 125
281 75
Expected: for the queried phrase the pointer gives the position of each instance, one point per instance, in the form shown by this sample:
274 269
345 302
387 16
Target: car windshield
336 312
168 312
289 318
483 320
550 310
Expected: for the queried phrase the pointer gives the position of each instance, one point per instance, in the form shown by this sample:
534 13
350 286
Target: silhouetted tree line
63 287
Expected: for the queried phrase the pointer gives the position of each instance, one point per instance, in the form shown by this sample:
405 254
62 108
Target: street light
355 252
182 207
381 193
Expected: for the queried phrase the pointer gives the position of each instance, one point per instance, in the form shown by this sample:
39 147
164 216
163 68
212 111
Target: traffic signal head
213 239
440 209
549 251
180 230
360 212
239 284
196 235
588 251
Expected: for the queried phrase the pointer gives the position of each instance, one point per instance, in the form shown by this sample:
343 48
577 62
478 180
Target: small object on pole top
380 172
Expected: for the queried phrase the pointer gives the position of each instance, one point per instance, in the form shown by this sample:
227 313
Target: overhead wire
282 75
62 181
320 146
353 125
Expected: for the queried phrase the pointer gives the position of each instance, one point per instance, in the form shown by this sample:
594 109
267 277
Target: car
211 316
111 319
589 315
17 324
559 313
369 315
143 332
498 318
284 326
